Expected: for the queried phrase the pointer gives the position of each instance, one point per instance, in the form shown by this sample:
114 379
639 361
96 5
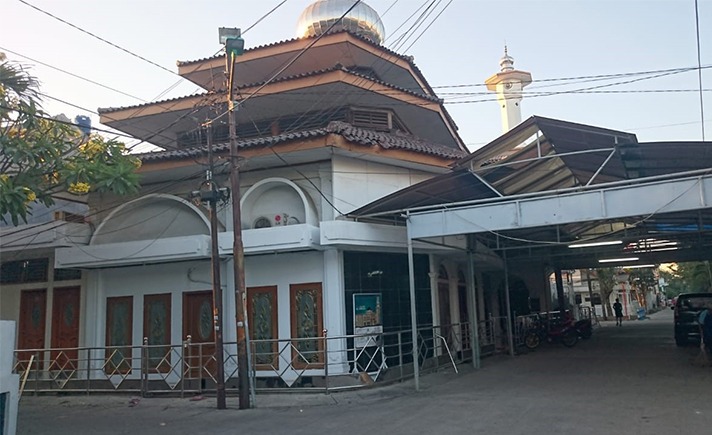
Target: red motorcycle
546 329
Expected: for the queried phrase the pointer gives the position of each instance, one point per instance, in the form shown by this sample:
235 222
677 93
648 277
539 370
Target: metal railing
326 363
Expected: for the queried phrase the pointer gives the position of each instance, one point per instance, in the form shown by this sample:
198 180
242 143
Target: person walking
618 309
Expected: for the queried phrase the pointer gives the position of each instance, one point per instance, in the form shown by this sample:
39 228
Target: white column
335 310
9 383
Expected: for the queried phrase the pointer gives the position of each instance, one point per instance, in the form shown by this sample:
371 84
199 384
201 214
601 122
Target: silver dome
362 20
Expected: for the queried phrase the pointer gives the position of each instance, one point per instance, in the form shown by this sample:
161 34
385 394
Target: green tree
606 284
694 276
41 157
643 280
674 283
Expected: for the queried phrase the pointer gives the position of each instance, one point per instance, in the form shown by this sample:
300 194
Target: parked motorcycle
584 328
542 329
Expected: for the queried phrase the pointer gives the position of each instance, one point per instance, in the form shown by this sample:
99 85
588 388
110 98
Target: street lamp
234 46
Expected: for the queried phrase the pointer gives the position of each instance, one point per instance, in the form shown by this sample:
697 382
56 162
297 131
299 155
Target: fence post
144 367
88 350
37 371
200 366
326 360
400 354
184 363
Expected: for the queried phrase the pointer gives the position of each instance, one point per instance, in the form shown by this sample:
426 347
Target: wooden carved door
307 325
65 328
33 310
262 320
198 323
157 331
119 335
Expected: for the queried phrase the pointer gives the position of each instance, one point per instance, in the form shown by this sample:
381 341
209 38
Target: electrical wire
73 75
160 187
336 109
304 113
431 23
544 94
96 83
132 146
699 68
99 38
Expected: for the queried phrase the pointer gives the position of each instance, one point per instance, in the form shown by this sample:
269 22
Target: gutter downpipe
413 311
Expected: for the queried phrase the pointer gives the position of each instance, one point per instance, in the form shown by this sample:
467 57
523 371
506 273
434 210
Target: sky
645 49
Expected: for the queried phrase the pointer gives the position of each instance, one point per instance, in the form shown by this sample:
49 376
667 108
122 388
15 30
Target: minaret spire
508 84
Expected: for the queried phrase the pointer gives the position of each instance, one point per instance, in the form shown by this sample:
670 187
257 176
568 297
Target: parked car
687 307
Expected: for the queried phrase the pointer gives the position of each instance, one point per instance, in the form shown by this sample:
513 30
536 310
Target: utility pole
212 197
217 289
234 46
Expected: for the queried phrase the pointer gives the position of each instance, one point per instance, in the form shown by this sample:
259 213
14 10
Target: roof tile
353 134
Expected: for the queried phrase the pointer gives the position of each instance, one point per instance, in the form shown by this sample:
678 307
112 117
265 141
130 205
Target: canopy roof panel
628 192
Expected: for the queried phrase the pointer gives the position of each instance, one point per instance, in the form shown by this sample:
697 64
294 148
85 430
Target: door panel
157 330
31 334
198 323
119 333
65 328
307 323
262 319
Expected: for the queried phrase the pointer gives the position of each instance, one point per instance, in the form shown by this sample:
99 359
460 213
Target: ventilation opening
381 120
262 222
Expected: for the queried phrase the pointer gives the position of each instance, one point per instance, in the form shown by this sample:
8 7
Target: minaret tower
508 84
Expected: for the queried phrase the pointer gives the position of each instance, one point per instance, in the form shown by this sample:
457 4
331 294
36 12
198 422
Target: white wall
139 281
357 182
9 383
282 270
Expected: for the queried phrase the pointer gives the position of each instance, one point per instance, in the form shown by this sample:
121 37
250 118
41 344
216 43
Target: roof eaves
353 134
409 59
105 110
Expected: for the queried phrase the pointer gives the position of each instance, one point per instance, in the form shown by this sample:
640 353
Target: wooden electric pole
234 46
215 260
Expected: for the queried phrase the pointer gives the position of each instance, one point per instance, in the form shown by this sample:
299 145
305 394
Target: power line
73 75
63 122
339 107
342 95
99 38
699 68
162 187
149 61
264 16
429 25
159 187
598 76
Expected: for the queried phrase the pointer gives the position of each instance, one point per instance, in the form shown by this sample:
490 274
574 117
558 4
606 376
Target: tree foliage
606 283
41 156
642 280
694 276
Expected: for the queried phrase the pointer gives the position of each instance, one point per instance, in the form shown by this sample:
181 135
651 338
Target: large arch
276 202
154 216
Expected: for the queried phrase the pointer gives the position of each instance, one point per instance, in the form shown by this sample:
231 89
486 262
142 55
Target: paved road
625 380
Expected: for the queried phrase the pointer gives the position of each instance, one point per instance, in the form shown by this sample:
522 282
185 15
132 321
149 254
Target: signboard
368 319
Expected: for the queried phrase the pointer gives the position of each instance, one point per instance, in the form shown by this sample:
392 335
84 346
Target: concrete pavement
630 379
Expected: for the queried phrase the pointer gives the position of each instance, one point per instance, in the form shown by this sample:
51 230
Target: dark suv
687 307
